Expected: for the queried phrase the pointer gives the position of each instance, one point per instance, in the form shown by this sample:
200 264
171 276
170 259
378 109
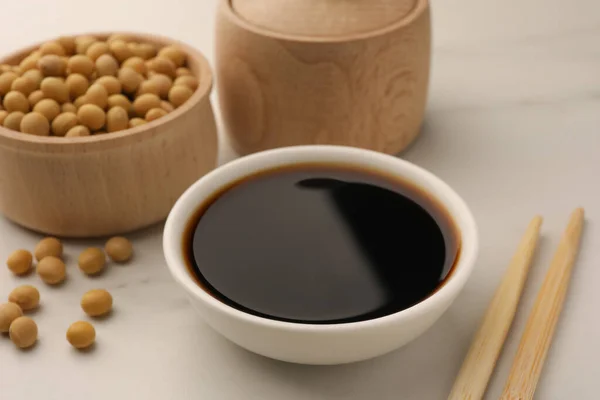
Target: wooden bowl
293 72
111 183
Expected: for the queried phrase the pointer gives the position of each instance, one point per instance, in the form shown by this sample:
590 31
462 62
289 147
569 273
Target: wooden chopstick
479 363
536 339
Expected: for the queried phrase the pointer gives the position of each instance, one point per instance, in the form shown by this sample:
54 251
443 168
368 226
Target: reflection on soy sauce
320 245
402 241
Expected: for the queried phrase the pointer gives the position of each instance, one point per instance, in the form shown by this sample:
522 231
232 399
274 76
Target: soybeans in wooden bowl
101 133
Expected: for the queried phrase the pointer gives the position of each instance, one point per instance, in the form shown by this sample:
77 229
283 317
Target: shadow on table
422 370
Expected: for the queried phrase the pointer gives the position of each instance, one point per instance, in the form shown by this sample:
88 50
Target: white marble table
513 124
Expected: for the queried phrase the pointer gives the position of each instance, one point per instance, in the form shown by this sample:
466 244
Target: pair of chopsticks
485 349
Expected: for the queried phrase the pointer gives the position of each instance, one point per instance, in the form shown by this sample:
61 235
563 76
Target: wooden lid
322 18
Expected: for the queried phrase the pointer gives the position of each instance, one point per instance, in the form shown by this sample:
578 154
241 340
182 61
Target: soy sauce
321 244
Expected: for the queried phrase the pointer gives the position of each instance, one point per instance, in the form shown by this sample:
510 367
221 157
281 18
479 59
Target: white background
513 124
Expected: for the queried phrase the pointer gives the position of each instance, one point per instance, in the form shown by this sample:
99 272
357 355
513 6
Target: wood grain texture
322 18
365 90
474 375
114 183
540 327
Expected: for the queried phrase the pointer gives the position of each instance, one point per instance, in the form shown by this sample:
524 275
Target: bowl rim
419 7
447 197
34 143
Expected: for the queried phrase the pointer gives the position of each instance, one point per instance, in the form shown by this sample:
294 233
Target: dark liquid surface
320 244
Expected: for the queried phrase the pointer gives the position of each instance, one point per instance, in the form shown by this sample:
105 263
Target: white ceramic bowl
320 344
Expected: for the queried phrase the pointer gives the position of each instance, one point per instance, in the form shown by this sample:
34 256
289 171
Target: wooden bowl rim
419 7
24 141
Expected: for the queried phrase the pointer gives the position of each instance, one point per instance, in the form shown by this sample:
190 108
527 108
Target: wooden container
112 183
294 72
